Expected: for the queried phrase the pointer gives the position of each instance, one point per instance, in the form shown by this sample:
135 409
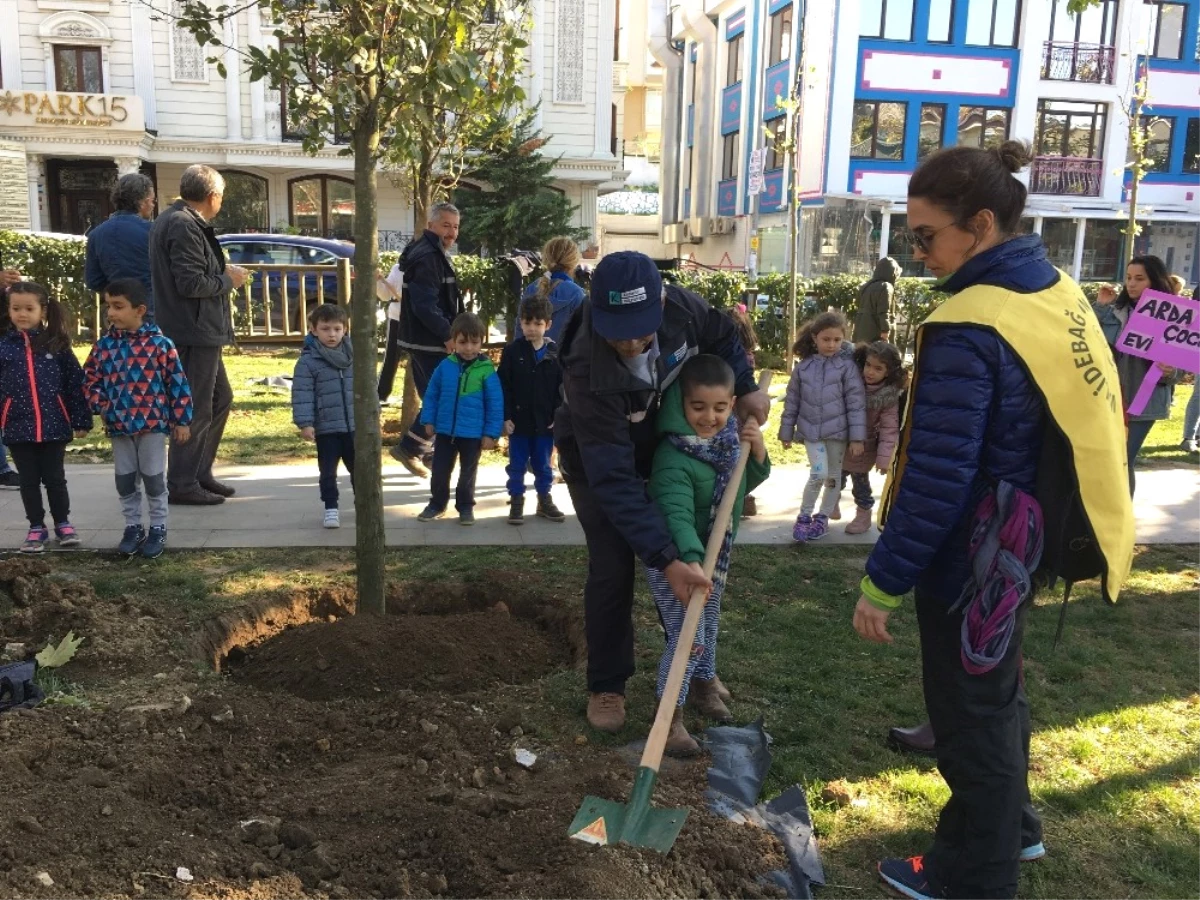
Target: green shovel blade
636 823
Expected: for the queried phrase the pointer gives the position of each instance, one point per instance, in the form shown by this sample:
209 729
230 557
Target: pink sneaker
800 529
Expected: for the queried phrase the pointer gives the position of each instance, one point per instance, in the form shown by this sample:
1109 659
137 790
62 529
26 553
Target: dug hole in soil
332 756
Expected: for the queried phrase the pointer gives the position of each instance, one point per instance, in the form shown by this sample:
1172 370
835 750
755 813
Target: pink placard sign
1164 329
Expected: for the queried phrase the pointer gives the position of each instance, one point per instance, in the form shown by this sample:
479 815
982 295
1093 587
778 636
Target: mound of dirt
362 656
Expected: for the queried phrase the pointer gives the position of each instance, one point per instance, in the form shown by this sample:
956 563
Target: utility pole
793 176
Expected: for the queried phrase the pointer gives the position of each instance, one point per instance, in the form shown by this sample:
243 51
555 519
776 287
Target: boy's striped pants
703 661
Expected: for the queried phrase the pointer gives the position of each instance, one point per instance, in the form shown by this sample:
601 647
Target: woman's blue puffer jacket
323 393
977 418
50 405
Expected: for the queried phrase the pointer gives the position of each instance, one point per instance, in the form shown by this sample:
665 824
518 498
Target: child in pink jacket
885 379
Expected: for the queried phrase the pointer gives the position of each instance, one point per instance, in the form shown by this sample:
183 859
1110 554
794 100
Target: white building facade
92 89
884 83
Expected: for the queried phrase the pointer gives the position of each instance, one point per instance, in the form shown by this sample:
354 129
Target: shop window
933 129
993 23
878 130
244 208
78 70
1103 246
979 126
891 20
781 36
322 206
1166 30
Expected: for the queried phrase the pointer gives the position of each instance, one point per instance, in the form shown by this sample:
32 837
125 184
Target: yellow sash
1056 336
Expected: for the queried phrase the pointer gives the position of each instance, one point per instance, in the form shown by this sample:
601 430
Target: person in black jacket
532 379
621 351
429 302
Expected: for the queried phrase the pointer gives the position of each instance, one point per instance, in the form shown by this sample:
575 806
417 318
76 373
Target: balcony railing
1066 175
1090 63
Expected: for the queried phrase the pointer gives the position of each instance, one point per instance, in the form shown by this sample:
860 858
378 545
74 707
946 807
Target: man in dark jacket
119 247
874 319
191 290
621 350
428 304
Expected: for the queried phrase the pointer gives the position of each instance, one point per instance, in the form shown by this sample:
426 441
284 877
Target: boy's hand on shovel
685 579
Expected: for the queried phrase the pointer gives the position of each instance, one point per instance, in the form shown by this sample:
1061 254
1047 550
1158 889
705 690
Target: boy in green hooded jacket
692 469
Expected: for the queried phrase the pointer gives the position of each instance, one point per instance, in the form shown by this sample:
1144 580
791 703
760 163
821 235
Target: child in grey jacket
826 407
323 400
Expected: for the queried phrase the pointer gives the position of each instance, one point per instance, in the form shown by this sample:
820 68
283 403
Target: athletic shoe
10 480
65 532
332 519
819 528
466 517
429 513
35 541
155 543
1186 446
907 876
132 539
1033 852
800 529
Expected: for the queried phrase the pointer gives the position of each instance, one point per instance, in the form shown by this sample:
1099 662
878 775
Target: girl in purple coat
826 408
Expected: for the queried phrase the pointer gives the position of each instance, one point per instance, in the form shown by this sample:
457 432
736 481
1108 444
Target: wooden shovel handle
652 755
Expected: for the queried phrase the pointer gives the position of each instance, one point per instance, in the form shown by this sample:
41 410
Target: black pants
37 465
392 354
607 595
332 449
983 728
863 498
420 369
190 464
445 450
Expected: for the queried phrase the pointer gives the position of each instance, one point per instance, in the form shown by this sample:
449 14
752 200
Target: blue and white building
883 83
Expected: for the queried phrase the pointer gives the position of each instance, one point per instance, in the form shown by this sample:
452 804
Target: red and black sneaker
907 876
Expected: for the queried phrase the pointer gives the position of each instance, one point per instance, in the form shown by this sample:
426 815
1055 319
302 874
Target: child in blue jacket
463 410
323 400
42 406
134 381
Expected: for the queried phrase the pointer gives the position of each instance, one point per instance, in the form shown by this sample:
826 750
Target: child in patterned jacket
134 381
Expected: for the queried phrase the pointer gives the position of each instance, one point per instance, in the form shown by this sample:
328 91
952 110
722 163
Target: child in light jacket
826 408
885 380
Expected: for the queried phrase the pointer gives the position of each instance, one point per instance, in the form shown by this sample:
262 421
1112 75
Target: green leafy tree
353 68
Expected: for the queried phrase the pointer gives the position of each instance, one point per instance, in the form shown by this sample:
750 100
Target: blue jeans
1191 415
523 450
1139 430
5 468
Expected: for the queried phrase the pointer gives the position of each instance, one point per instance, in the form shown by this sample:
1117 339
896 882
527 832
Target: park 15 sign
1164 329
40 109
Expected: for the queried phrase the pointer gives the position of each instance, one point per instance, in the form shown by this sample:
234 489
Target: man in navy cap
620 352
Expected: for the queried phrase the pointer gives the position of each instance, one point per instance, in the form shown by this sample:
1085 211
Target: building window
941 21
933 129
1066 128
781 36
569 50
1166 29
979 126
244 208
1191 146
993 23
78 70
776 154
1158 142
729 156
878 130
1103 246
1095 25
295 126
1059 237
188 62
733 68
322 206
891 20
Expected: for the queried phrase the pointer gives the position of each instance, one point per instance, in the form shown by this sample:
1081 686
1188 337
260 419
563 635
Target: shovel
637 822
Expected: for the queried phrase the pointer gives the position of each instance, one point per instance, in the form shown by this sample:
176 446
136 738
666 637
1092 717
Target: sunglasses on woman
923 241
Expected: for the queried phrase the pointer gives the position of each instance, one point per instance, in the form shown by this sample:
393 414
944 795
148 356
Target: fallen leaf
52 657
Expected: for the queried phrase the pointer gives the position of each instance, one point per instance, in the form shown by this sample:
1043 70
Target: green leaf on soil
52 657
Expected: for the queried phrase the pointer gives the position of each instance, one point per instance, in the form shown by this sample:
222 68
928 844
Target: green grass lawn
260 429
1115 708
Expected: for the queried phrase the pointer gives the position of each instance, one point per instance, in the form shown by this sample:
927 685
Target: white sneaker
332 520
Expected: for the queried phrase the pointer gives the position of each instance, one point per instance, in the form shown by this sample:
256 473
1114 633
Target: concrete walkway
278 506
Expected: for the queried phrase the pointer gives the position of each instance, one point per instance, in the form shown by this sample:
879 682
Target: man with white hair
191 294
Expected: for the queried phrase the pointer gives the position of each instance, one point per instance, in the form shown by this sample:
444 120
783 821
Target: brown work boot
704 698
861 523
410 462
918 739
606 712
722 691
679 742
749 507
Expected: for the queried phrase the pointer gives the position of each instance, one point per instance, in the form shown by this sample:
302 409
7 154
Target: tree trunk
371 540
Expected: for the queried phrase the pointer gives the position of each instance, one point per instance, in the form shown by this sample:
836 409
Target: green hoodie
683 487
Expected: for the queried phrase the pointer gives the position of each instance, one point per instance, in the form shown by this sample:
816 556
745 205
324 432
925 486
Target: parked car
287 250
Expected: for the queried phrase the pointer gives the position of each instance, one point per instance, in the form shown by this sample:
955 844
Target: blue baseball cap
626 296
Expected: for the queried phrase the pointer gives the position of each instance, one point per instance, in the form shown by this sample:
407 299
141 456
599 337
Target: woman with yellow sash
1012 359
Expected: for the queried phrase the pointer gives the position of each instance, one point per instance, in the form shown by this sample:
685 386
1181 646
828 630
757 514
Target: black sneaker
134 535
516 511
429 513
907 876
466 517
10 480
155 543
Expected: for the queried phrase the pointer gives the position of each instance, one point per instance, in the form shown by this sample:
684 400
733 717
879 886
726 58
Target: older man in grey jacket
191 295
